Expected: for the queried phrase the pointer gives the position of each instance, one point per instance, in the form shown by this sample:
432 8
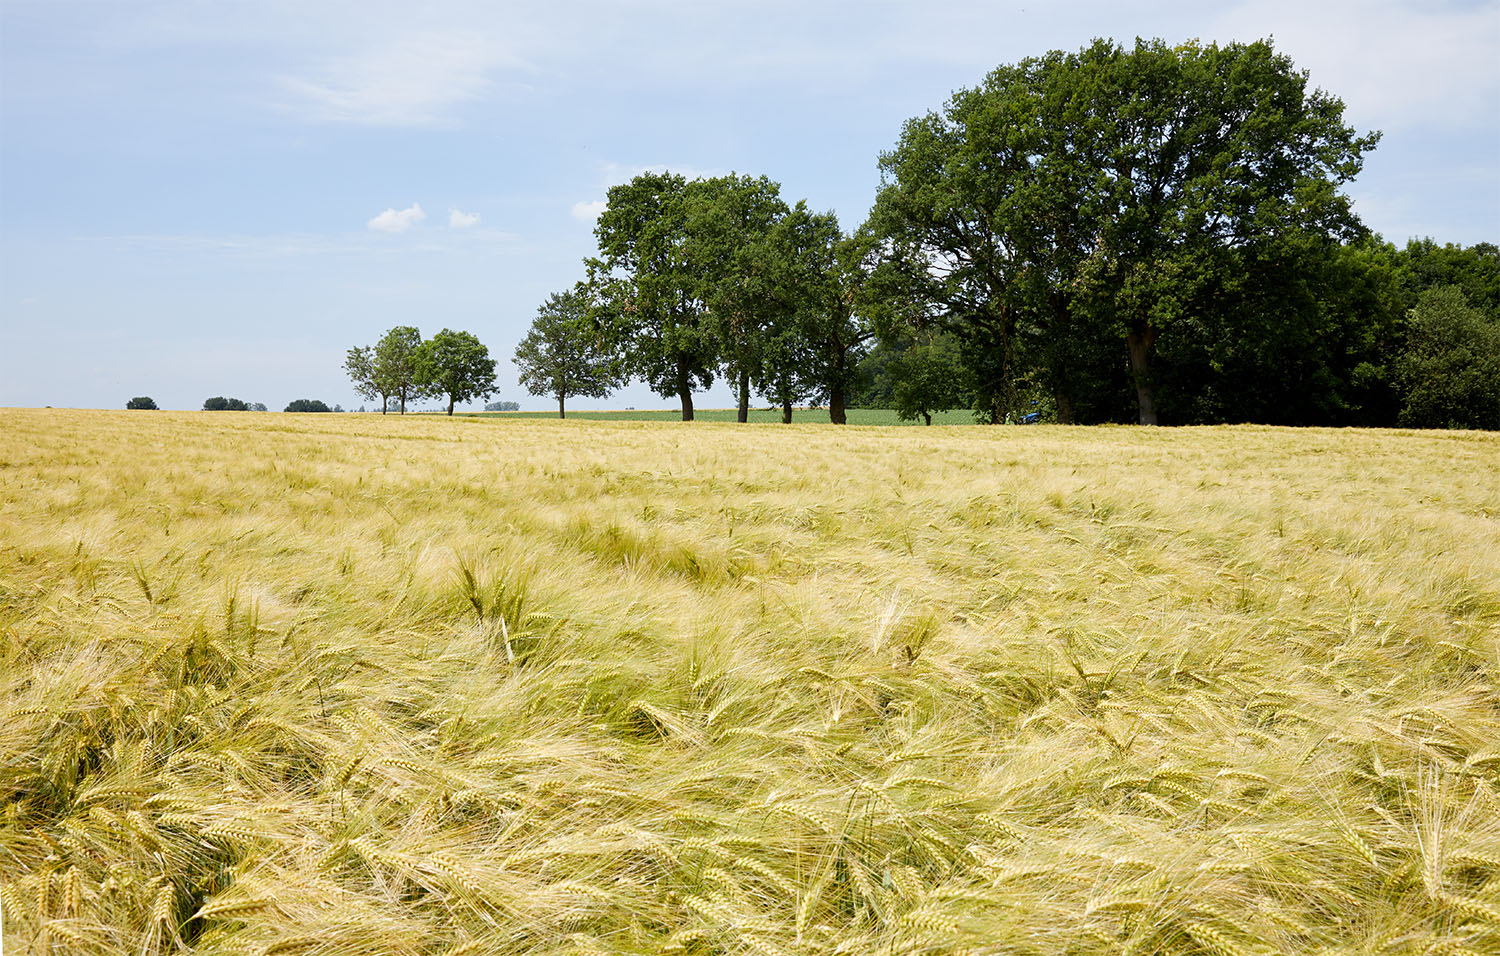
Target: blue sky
205 198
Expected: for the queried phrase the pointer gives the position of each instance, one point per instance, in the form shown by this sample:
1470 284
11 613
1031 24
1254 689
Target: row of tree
402 366
219 403
1154 233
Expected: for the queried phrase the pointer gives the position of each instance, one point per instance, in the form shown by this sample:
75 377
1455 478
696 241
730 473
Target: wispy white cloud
462 220
588 211
397 221
414 80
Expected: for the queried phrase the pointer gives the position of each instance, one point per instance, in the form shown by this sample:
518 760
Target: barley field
351 684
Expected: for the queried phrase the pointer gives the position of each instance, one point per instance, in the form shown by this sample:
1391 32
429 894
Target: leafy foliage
456 366
928 377
359 363
730 239
1449 373
394 365
141 401
1119 188
566 354
651 296
221 404
1475 270
306 405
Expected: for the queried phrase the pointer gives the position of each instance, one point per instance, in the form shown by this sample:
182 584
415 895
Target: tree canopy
454 365
730 242
394 365
359 363
651 296
1112 189
565 354
307 405
1450 370
929 376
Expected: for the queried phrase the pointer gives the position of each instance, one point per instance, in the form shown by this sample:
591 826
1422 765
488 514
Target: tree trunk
1062 398
928 416
560 409
685 390
836 413
786 412
1064 407
744 415
1141 338
450 406
403 403
385 401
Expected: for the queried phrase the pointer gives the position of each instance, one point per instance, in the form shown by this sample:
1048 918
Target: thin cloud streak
410 81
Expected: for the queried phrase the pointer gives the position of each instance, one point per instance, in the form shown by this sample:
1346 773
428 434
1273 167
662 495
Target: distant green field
857 416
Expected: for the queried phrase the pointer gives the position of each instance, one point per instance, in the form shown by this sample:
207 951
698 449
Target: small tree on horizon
456 365
306 405
929 377
360 364
564 355
143 402
1449 371
388 369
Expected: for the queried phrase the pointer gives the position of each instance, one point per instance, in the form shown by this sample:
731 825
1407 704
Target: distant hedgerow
307 405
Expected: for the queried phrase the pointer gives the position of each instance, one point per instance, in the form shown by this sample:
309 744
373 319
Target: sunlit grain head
365 684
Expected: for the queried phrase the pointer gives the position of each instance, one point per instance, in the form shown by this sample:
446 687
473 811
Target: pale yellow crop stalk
358 684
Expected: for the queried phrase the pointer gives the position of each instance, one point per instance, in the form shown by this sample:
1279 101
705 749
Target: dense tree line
1150 233
402 366
219 403
307 405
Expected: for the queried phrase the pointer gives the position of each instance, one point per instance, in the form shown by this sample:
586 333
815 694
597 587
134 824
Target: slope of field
363 685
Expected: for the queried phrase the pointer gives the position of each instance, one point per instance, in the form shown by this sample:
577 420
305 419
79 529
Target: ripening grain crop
364 685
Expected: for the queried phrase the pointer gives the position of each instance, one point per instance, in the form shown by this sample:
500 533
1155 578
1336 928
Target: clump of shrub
306 405
221 404
142 401
1450 371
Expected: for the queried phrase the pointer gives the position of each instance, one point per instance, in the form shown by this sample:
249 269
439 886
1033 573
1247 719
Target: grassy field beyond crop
352 684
